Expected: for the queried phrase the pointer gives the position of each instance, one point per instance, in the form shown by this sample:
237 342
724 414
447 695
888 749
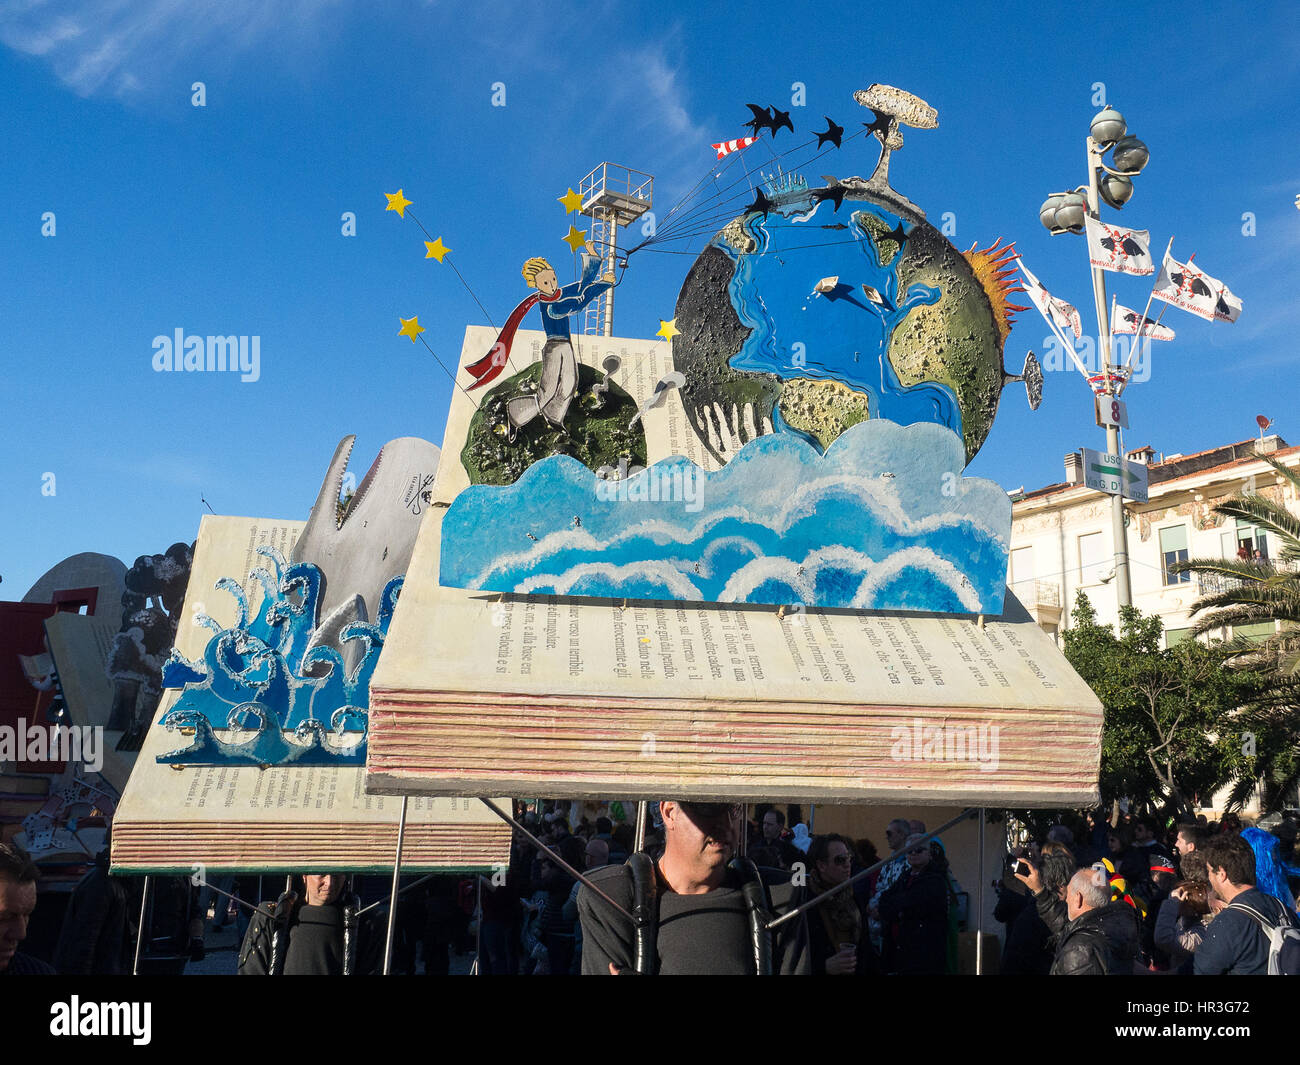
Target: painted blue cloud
883 520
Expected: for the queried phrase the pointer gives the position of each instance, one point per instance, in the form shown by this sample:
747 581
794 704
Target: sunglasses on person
713 809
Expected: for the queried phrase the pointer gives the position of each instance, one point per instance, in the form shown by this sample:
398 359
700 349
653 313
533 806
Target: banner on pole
1124 251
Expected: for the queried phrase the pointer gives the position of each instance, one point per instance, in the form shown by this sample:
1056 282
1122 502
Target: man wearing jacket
1101 937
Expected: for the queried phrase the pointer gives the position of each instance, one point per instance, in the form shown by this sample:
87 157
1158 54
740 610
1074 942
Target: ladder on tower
603 235
612 196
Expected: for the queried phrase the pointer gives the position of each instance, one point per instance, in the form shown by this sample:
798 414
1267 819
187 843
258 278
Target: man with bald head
1102 937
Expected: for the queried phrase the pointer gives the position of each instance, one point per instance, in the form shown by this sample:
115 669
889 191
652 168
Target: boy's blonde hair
533 267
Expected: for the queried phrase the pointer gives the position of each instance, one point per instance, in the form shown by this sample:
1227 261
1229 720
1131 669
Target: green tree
1245 592
1173 728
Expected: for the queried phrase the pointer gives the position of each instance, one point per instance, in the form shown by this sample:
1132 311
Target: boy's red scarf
488 368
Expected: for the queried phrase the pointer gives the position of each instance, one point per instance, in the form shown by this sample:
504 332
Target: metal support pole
611 235
979 902
397 872
478 928
817 900
638 836
140 932
1119 536
552 856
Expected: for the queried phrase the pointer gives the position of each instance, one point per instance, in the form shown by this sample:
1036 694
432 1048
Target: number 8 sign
1111 412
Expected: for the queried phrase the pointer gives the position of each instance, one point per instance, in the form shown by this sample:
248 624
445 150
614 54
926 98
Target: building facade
1061 540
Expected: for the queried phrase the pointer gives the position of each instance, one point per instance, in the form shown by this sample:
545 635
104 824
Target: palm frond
1243 614
1274 517
1225 567
1286 471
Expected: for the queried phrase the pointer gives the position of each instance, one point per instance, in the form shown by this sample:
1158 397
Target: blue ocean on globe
842 335
263 675
882 520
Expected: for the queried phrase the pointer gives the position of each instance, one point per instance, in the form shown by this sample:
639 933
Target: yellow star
437 249
397 202
576 238
571 200
668 329
411 327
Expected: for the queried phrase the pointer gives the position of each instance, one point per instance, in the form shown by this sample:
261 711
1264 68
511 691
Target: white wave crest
677 583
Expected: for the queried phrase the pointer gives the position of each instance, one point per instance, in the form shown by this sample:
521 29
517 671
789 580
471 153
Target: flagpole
1057 331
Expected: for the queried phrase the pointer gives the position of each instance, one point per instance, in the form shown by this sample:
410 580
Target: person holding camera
1032 936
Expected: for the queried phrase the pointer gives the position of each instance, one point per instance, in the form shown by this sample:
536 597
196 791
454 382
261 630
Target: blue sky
225 219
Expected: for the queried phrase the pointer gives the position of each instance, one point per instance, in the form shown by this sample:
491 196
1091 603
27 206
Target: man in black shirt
318 935
704 922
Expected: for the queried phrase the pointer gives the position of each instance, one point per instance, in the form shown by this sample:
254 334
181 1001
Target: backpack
1283 941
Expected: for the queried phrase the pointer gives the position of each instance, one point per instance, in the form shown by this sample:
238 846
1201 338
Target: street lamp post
1110 382
1063 213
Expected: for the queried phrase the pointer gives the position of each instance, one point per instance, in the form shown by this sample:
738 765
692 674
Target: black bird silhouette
879 123
761 203
779 119
896 234
834 191
832 133
1128 244
1197 286
762 120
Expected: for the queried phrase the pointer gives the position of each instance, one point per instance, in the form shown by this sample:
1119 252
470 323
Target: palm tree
1250 592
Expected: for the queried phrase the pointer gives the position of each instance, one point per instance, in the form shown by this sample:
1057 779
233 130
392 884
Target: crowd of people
1132 895
1101 895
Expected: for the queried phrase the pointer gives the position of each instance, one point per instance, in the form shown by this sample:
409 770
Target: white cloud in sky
124 46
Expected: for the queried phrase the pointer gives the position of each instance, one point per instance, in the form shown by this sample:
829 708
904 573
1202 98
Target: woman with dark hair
1185 915
830 939
915 908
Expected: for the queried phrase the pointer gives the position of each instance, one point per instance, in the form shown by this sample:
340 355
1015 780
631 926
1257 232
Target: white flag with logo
1056 311
1191 289
1228 307
1125 321
1126 251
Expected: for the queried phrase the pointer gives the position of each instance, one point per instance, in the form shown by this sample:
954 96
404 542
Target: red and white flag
727 147
1056 311
1191 289
1125 251
1125 322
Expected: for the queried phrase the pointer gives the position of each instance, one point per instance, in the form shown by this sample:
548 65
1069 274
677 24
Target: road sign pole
1119 534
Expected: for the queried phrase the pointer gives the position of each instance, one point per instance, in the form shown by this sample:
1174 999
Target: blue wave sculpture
883 520
264 675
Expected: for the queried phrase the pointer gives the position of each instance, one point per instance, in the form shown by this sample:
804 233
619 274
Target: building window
1173 547
1245 542
1173 637
1092 558
1257 633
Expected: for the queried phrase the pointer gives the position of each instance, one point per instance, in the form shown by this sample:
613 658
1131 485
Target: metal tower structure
612 196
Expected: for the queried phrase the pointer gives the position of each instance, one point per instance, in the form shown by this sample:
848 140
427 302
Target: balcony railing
1033 593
